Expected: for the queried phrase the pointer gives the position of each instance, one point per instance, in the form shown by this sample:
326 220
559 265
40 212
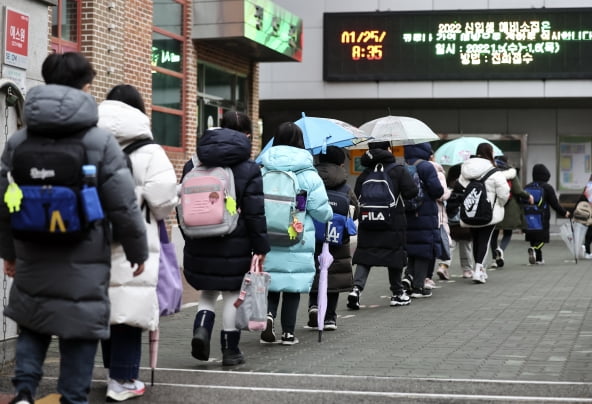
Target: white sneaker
122 391
479 276
588 256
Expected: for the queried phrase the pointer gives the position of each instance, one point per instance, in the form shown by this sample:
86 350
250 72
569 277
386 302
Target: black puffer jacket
219 263
385 247
339 275
423 234
541 174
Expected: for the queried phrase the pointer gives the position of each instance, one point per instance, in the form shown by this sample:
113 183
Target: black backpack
476 209
377 200
56 197
413 204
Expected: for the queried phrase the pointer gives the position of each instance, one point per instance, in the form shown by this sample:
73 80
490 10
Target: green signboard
273 27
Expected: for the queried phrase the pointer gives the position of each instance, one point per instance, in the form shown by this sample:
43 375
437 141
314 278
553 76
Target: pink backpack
208 202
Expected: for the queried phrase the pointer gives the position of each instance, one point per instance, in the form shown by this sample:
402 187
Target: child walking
538 238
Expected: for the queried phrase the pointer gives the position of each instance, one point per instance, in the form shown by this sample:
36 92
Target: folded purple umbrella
325 260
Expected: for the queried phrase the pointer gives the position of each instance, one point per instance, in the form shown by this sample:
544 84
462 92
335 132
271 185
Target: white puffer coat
496 185
133 299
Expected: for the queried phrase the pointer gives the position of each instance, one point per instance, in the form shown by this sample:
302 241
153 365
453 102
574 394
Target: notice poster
574 162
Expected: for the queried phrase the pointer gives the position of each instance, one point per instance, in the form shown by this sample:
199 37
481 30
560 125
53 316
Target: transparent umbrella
397 130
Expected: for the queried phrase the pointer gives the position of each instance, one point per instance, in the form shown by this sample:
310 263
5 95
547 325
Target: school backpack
475 208
583 213
377 200
285 207
413 204
208 202
49 198
533 214
334 231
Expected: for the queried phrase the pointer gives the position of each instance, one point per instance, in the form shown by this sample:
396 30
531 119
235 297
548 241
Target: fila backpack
377 200
208 202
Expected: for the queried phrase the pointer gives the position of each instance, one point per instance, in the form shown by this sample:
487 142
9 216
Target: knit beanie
334 155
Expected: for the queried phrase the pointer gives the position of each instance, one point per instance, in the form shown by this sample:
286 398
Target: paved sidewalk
528 327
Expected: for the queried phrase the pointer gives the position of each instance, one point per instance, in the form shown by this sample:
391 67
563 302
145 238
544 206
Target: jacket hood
59 111
475 167
510 173
222 146
124 121
287 158
540 173
418 151
375 156
333 175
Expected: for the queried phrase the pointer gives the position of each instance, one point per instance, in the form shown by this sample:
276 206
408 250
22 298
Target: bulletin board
355 166
574 162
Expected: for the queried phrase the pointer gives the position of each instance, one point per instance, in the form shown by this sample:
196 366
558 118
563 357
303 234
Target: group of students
104 290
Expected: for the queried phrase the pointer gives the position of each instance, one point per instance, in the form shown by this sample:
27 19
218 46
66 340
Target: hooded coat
63 289
292 268
513 212
541 174
423 226
133 299
385 247
497 187
339 275
219 263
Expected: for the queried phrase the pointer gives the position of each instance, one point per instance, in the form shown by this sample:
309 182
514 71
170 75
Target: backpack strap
133 146
487 175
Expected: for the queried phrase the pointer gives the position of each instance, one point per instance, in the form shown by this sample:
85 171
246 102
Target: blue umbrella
458 150
318 133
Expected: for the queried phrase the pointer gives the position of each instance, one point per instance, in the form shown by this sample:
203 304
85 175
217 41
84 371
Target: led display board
458 45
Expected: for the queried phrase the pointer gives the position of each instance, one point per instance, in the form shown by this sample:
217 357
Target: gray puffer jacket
62 290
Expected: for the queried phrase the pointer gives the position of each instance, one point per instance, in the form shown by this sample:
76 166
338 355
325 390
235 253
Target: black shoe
407 283
232 357
268 335
23 397
531 256
200 344
418 293
313 313
353 299
499 259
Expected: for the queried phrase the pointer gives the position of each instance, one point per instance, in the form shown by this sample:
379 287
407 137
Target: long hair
288 134
485 150
127 94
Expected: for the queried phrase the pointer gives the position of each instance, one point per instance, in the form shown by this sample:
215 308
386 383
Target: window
65 26
219 90
168 72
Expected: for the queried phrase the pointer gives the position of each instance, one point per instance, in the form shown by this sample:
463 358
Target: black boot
202 332
231 355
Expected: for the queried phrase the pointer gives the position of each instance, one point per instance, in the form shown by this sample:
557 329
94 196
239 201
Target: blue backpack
413 204
334 231
533 214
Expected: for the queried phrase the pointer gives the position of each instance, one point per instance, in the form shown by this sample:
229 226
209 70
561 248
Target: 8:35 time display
365 45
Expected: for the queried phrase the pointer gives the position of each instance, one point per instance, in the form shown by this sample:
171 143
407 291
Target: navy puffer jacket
423 234
219 263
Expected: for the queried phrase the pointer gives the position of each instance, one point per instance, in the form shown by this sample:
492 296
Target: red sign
16 39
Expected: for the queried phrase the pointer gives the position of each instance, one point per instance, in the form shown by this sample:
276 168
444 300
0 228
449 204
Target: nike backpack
475 208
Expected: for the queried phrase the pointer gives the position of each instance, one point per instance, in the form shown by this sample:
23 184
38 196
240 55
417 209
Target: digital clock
541 43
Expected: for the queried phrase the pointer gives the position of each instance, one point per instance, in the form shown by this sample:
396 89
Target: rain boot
202 332
231 355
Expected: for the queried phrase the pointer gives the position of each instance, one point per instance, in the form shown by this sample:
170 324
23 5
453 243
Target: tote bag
169 288
251 305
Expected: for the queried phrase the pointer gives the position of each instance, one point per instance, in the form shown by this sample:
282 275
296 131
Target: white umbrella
398 130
